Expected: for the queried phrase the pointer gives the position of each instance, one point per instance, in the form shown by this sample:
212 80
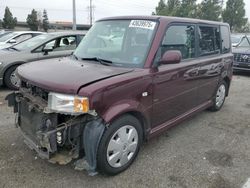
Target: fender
128 106
119 108
10 65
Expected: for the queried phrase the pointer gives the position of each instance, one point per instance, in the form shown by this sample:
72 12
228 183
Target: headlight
67 103
1 63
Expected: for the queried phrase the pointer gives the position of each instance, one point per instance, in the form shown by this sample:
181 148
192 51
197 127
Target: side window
49 45
66 43
23 37
180 37
225 38
209 40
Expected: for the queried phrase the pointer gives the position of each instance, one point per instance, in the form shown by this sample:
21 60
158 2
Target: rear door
175 85
211 61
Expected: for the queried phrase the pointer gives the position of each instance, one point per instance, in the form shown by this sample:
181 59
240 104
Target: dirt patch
217 158
216 181
177 181
247 105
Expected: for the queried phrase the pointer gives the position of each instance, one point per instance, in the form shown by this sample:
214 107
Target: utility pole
90 12
74 15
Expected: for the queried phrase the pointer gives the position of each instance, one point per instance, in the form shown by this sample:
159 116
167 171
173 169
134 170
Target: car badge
245 57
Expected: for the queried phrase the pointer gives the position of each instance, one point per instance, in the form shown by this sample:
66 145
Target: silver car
44 46
16 37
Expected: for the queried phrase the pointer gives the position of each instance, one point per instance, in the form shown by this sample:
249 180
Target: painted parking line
247 184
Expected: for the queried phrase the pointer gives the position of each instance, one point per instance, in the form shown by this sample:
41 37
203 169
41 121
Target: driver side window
50 44
179 37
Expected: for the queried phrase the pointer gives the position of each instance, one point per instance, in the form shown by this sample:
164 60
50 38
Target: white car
16 37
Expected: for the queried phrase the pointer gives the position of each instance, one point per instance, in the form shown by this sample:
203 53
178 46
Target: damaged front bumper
53 134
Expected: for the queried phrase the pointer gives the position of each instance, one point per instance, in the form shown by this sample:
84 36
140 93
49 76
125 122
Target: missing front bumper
41 132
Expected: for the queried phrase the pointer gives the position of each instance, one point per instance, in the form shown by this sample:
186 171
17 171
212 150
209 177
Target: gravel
210 150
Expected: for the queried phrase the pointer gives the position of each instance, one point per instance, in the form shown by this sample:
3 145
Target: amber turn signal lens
81 105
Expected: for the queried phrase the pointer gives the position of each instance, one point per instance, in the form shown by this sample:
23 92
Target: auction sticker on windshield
145 24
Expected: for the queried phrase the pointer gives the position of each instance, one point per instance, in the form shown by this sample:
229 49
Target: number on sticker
145 24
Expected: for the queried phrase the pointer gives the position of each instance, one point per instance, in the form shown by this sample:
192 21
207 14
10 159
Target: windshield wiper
100 60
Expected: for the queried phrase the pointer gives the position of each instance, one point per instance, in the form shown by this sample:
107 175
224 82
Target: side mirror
12 41
47 49
171 57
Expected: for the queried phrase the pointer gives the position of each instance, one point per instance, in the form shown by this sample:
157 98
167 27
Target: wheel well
8 69
142 120
227 80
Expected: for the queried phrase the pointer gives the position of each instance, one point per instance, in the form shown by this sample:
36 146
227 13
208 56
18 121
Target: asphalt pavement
210 150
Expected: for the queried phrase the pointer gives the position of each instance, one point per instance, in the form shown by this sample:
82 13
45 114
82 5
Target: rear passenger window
225 37
209 40
180 37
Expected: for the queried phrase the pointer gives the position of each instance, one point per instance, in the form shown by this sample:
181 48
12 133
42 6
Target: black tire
7 77
103 165
216 106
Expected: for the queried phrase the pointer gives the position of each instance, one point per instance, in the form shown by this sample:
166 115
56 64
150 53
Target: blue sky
61 10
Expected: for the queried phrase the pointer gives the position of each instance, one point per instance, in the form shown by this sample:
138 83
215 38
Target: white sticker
145 24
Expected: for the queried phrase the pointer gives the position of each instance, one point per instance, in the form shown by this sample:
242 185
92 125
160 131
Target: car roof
24 32
62 33
53 35
165 19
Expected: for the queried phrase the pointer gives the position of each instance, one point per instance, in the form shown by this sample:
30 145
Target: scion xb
130 79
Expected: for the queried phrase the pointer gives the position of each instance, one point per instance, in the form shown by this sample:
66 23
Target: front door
175 85
61 46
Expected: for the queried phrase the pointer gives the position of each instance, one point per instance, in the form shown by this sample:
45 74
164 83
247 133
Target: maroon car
130 79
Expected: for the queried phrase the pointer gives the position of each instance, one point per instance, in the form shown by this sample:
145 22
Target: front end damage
60 138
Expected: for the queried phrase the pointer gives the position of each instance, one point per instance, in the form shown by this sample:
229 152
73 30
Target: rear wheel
119 145
10 78
220 96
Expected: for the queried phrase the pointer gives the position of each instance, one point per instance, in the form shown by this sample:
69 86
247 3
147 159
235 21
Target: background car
13 38
44 46
3 32
236 38
242 55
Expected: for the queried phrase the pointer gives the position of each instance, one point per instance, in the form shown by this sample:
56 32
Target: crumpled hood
66 75
241 50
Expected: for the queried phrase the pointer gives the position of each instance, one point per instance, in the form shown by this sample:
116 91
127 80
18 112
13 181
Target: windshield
244 42
32 43
7 37
122 42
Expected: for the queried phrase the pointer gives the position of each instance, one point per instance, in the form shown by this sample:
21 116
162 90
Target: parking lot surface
210 150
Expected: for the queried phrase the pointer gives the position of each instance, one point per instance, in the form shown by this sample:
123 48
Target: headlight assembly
67 103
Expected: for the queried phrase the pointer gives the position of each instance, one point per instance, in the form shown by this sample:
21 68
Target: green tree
188 8
8 21
234 14
32 20
245 29
210 10
45 21
167 9
161 8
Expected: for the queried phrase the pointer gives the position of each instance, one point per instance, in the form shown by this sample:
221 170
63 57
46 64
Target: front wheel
220 96
119 145
11 80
